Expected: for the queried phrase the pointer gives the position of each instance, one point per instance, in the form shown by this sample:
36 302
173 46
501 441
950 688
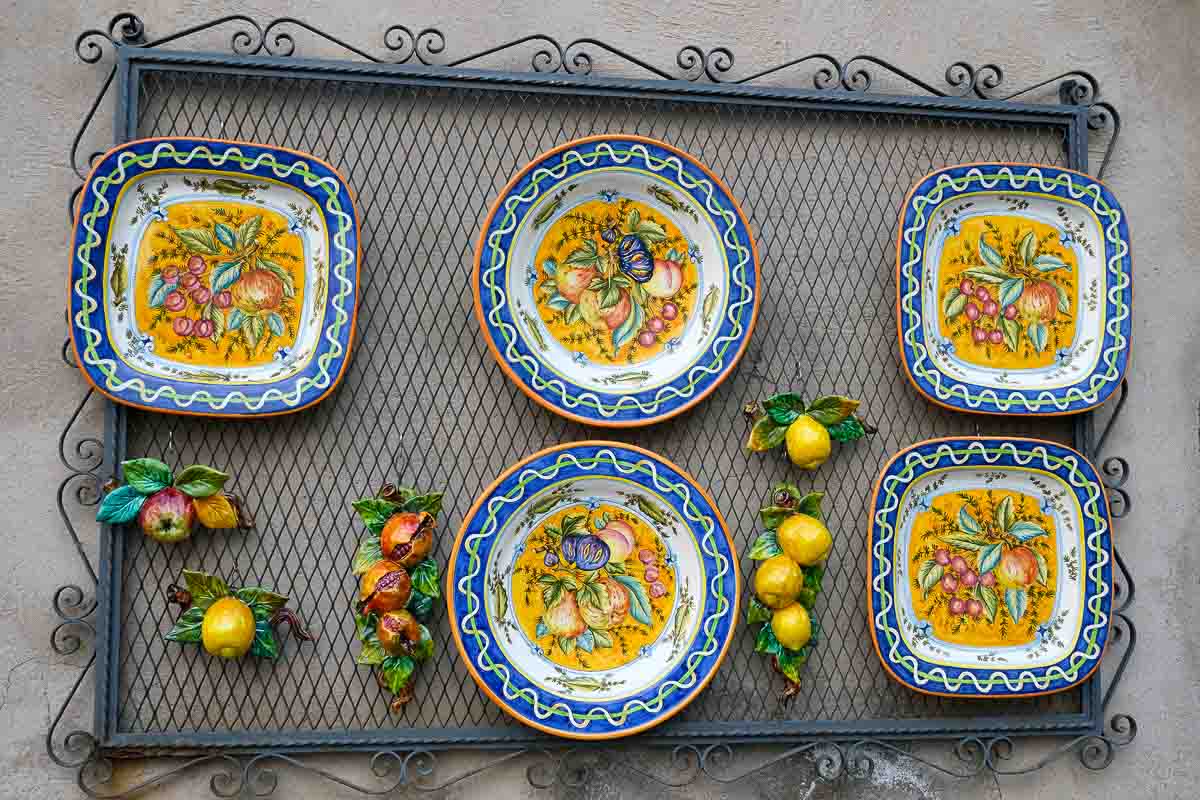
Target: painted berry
196 265
651 573
958 564
958 606
974 608
200 295
223 299
967 287
170 274
969 578
655 324
949 584
189 281
669 311
942 556
991 308
972 311
182 326
996 337
657 590
204 328
175 301
982 294
979 335
1010 312
646 338
646 555
550 559
988 579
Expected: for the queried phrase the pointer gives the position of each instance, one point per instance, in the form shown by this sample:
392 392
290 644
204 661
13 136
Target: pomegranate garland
398 585
167 506
806 428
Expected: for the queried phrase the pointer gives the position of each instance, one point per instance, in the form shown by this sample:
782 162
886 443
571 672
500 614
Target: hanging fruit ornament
808 430
167 506
792 553
227 622
398 584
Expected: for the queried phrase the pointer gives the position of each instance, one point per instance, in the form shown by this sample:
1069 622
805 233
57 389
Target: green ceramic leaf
968 523
265 644
396 672
1064 300
991 603
831 409
784 408
773 516
1043 570
147 475
791 662
765 434
766 641
368 554
756 612
200 481
848 430
187 627
790 489
1016 600
248 231
425 578
370 654
953 303
929 573
204 588
375 512
566 645
965 540
1025 530
987 559
120 505
1037 335
364 625
987 274
1004 514
424 647
639 601
421 606
1027 248
1012 333
430 503
765 546
989 254
807 598
1049 263
1010 290
810 504
262 602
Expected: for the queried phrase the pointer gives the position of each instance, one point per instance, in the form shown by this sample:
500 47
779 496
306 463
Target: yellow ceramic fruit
228 628
808 443
804 539
778 581
792 626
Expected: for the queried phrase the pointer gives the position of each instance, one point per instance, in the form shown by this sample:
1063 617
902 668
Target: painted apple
666 280
572 281
619 538
1018 569
563 618
610 610
167 516
258 290
634 258
1039 301
604 318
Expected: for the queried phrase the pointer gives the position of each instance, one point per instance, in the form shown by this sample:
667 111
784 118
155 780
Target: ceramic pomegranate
258 290
398 632
385 587
619 538
1038 301
407 538
604 318
572 281
563 618
666 280
612 608
167 516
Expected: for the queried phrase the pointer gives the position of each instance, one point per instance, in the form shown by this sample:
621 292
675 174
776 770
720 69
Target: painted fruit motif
634 258
1018 569
1038 301
563 618
611 609
607 319
572 282
167 516
227 629
808 442
666 280
258 290
778 581
386 586
618 535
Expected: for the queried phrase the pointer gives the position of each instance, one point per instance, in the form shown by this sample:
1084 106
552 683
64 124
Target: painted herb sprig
792 551
807 428
229 622
167 506
399 584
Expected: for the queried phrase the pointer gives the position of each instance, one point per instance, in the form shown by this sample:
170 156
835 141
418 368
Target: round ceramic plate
616 280
592 590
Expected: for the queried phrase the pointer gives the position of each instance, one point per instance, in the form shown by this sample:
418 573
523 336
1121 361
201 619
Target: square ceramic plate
1014 289
989 567
213 278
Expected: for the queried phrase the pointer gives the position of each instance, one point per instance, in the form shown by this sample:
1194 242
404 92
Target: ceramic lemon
808 429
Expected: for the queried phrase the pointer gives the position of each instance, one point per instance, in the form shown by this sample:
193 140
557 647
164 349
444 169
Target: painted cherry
967 286
990 308
949 583
223 299
942 556
958 564
646 555
657 590
656 324
1010 312
974 608
988 579
651 573
982 293
958 606
196 265
972 311
189 281
646 338
200 295
669 311
969 578
170 274
979 335
182 326
204 328
175 301
996 337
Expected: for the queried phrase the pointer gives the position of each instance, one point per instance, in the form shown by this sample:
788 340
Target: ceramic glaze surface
214 277
616 280
1014 289
593 590
990 567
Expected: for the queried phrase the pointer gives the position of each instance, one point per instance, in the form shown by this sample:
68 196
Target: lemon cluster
805 542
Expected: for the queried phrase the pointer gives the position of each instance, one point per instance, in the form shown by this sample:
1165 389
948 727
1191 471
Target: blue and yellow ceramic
213 278
616 280
592 590
989 567
1014 289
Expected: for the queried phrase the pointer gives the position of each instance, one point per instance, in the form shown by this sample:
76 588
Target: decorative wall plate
616 280
989 567
213 278
593 590
1014 289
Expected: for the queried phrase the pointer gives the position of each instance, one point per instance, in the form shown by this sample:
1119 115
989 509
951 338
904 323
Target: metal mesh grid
423 402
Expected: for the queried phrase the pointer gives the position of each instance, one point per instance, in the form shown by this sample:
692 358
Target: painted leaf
566 645
1010 291
429 503
421 606
147 475
541 629
262 602
609 298
756 612
1027 247
225 235
215 512
198 240
585 254
1004 514
550 266
396 672
370 655
765 434
374 512
987 274
235 319
765 546
200 481
586 641
275 323
602 638
424 646
639 601
1043 570
987 559
120 505
1064 300
989 254
1025 530
368 554
158 291
766 641
848 430
784 408
1049 263
425 578
217 317
991 603
248 231
954 305
1012 333
1016 600
629 328
573 314
187 627
1037 336
966 541
831 409
225 275
968 523
285 277
650 232
204 588
558 302
929 573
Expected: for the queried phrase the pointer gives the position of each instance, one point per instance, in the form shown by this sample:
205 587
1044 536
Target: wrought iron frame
248 763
